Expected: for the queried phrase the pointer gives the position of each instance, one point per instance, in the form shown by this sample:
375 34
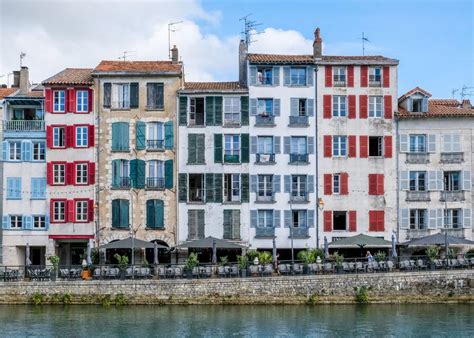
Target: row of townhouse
301 148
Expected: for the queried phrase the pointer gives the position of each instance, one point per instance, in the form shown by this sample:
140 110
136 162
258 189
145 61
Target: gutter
316 147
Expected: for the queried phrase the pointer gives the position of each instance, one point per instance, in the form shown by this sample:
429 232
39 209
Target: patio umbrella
394 249
89 260
360 241
27 254
214 252
326 248
274 252
438 239
155 253
208 242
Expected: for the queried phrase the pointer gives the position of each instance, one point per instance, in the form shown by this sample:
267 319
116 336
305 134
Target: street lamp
320 208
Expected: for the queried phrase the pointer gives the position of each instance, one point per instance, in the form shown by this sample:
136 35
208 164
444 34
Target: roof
71 76
413 91
137 67
361 241
438 108
358 59
213 86
280 59
7 91
325 59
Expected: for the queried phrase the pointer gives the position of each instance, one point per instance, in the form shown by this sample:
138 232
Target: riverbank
407 287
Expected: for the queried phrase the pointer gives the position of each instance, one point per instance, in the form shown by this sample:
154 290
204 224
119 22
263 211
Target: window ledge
264 237
197 163
196 203
298 125
156 228
120 188
120 109
154 109
119 229
232 202
152 150
231 125
265 202
299 237
232 163
154 189
298 163
298 202
197 126
120 150
265 163
265 125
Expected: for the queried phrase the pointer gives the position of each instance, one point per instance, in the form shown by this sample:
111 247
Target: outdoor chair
129 272
421 265
359 267
463 263
345 267
64 273
113 273
413 265
253 270
283 269
471 262
178 272
328 268
453 263
438 264
351 266
313 268
390 266
162 272
234 271
405 265
221 271
297 268
267 270
227 271
382 266
97 273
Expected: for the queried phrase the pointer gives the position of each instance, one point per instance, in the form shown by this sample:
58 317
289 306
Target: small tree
265 257
224 261
192 261
243 262
380 256
432 252
122 261
307 256
337 258
251 254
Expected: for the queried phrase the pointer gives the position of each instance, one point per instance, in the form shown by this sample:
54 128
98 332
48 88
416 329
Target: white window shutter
456 142
287 218
440 213
253 218
310 107
276 76
466 180
403 143
404 219
277 144
447 143
294 106
253 75
466 214
433 219
440 180
276 107
424 105
404 180
286 76
276 218
409 105
432 181
431 143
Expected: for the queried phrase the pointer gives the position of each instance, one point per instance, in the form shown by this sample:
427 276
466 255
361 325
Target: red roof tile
309 59
413 91
71 76
138 67
210 86
278 58
6 91
440 108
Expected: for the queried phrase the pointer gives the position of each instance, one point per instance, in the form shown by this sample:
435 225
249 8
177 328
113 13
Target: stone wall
438 286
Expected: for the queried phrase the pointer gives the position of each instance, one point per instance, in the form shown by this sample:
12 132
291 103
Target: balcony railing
299 197
155 144
299 232
375 83
264 120
264 232
264 81
457 157
23 125
155 183
196 195
339 83
231 158
299 121
265 199
265 158
418 158
452 196
122 183
418 196
298 158
419 233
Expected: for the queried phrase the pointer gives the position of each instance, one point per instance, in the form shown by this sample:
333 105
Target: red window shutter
91 173
90 100
381 221
352 106
49 137
70 136
344 184
352 146
388 146
380 184
327 146
387 106
350 76
372 184
352 220
372 220
328 77
48 100
364 70
363 106
386 77
327 111
70 174
327 220
327 184
51 210
90 210
71 210
49 173
90 136
71 99
364 140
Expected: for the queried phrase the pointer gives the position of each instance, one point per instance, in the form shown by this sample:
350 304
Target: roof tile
208 86
6 91
440 108
71 76
106 66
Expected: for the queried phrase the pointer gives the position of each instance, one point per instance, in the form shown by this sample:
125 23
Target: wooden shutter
327 109
90 136
328 76
217 148
140 139
192 148
227 224
388 146
372 220
49 138
352 106
253 75
150 213
169 174
364 70
344 184
115 213
70 137
350 76
169 138
327 215
70 174
71 208
71 100
183 110
200 224
244 188
352 220
218 110
363 106
91 173
90 210
218 188
210 111
140 174
245 148
209 178
124 213
327 146
372 184
364 149
107 94
134 95
48 100
380 184
200 148
159 214
381 220
352 146
387 106
183 188
192 224
244 110
115 173
386 77
327 184
90 100
49 173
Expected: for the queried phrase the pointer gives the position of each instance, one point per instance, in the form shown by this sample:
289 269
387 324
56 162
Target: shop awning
360 241
438 239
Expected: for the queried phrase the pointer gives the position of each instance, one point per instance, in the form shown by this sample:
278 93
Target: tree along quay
409 287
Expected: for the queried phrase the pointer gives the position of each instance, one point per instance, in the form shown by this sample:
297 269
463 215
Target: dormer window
416 105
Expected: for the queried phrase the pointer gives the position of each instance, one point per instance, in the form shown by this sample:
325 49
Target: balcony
155 183
299 121
23 125
231 123
123 183
418 196
457 157
418 158
375 83
298 158
452 196
299 197
196 196
265 232
265 199
339 83
266 120
265 159
155 145
231 158
419 233
299 232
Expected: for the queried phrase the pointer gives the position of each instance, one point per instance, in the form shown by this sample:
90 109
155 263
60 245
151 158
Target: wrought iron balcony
418 196
265 199
155 144
196 195
299 232
299 197
457 157
452 196
298 158
339 83
265 158
265 120
231 158
296 121
418 158
23 125
122 183
157 183
264 232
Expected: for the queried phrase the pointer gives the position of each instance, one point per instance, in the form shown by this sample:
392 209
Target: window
121 95
265 218
302 109
417 105
375 146
155 217
38 151
196 111
375 76
81 211
339 76
298 187
82 101
265 145
298 145
452 218
154 95
418 219
155 135
196 188
39 222
231 224
375 106
15 151
339 107
298 76
231 148
336 184
339 146
339 220
452 180
59 137
59 211
14 188
120 174
265 107
16 222
299 218
264 76
82 173
231 187
156 171
265 187
417 181
231 110
196 224
59 173
417 143
38 188
58 101
81 136
120 136
196 149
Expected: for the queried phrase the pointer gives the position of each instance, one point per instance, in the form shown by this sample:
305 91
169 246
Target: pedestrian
369 257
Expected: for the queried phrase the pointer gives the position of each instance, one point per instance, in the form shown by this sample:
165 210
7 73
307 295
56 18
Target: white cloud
278 41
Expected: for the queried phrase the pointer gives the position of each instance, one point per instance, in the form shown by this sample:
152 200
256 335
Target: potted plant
308 257
265 258
380 256
243 263
224 261
338 259
122 262
54 260
251 254
433 253
190 263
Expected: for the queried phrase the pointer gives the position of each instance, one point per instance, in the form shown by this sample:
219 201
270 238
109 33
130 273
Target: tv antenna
466 91
364 40
249 29
171 29
454 91
126 53
22 56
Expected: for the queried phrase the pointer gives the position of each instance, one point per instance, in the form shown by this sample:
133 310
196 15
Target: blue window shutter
169 174
286 76
150 213
26 151
286 144
34 188
124 136
309 76
115 136
287 214
140 140
276 107
253 183
120 136
46 222
276 76
310 183
18 188
276 183
253 218
42 188
424 105
10 184
253 75
287 182
169 139
253 144
137 173
310 107
310 215
276 218
124 214
14 188
277 146
159 214
116 213
5 150
6 222
294 106
27 222
253 107
310 145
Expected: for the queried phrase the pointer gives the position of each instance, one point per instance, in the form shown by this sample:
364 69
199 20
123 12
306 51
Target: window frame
232 150
299 186
59 107
339 106
265 218
76 171
449 217
339 146
64 214
375 76
64 166
82 101
414 139
84 212
41 147
415 176
42 220
418 215
346 214
339 76
85 136
18 222
373 106
265 107
380 147
451 180
16 146
302 215
336 184
265 186
235 109
115 94
301 74
262 76
64 138
235 187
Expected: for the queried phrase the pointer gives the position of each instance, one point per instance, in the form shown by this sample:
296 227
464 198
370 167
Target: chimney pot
16 79
466 104
174 54
317 44
24 80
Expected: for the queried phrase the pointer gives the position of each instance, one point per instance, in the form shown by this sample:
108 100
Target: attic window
417 105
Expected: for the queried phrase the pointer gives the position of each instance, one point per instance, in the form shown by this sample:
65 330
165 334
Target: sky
433 40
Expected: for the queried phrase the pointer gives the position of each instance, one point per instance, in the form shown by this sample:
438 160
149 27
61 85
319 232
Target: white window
299 145
298 76
81 136
58 101
39 222
375 76
339 106
451 143
452 180
59 211
232 110
417 180
16 222
81 173
417 218
302 107
81 211
232 145
155 138
339 76
15 151
265 218
265 145
59 137
232 187
264 76
339 145
298 187
452 218
265 186
299 218
82 101
336 184
375 106
59 173
156 169
417 143
121 95
38 151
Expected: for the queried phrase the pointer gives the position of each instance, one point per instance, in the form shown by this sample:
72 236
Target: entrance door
37 254
78 252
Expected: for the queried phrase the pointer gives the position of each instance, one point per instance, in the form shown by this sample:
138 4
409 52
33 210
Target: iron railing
298 158
299 120
264 120
264 232
457 157
452 196
155 182
265 158
418 196
155 144
23 125
418 158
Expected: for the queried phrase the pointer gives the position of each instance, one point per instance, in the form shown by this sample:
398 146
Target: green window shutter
134 95
200 149
169 174
227 224
169 139
210 188
120 136
140 128
183 110
107 94
218 188
192 224
115 173
115 136
236 224
217 148
244 110
150 213
133 173
244 186
192 148
200 224
218 110
140 176
245 156
116 213
183 188
210 111
159 214
124 215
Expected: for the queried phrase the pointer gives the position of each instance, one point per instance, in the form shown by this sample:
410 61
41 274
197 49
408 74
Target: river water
453 320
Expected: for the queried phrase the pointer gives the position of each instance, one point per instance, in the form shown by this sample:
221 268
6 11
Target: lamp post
320 208
446 248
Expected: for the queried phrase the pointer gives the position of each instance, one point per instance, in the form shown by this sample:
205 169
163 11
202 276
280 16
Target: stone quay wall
407 287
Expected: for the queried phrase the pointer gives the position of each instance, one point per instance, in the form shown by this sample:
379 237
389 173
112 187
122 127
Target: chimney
16 79
466 104
24 80
317 44
174 54
243 63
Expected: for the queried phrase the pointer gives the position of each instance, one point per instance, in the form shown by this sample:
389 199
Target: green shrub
224 261
362 295
470 253
55 299
243 262
265 257
251 254
122 261
37 298
192 261
67 299
313 299
120 300
337 258
307 256
380 256
432 252
106 301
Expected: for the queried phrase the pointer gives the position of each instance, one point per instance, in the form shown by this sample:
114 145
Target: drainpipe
97 149
397 144
316 147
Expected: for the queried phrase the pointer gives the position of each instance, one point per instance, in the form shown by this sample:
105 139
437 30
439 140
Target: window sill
38 199
13 199
120 150
119 228
120 109
375 157
155 150
196 163
265 202
298 125
232 202
265 163
197 126
120 188
155 189
264 236
232 163
155 228
298 201
270 125
154 109
298 163
196 202
231 125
